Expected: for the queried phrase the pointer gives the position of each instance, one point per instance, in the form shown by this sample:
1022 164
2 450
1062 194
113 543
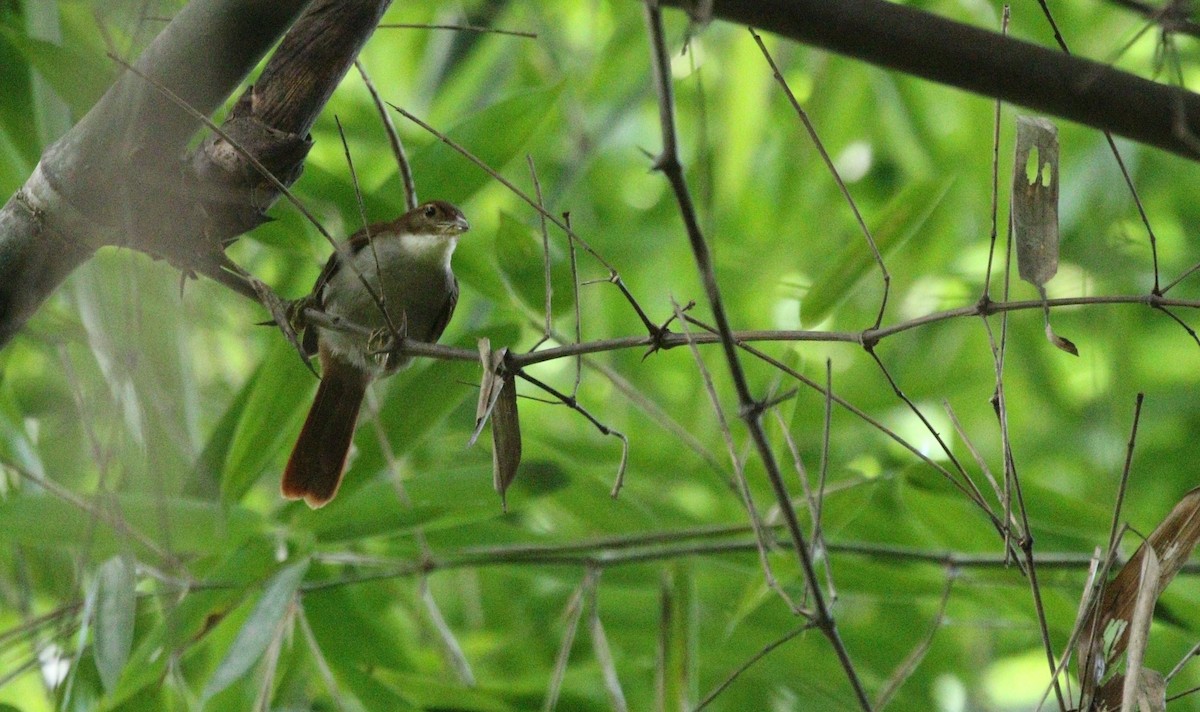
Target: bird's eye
430 211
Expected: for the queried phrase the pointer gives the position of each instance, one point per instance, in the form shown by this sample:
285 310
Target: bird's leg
384 344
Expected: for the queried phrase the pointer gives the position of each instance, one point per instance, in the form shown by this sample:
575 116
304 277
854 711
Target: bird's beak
460 225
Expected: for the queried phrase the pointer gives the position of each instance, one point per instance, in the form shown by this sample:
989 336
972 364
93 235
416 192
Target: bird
413 293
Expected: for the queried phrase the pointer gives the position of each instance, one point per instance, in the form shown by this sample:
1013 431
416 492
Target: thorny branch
751 410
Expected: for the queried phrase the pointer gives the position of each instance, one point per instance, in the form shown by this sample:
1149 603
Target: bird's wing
353 244
447 311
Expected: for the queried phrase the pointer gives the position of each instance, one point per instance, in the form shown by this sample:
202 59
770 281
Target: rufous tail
314 470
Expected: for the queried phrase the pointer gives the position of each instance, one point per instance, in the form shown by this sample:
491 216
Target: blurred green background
148 562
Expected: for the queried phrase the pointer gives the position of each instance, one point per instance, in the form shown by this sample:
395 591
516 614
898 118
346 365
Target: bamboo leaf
519 254
1035 199
903 217
279 390
259 629
506 439
115 609
79 77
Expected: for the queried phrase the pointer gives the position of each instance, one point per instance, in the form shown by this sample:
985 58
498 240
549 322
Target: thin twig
966 486
323 668
979 461
1125 470
537 190
458 28
756 523
1156 13
573 613
1112 146
575 298
603 653
841 184
613 277
748 663
914 658
987 279
93 511
668 163
574 405
402 164
818 542
343 249
663 644
663 546
1115 529
454 652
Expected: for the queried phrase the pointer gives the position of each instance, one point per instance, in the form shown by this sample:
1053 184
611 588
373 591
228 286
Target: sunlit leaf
904 217
442 172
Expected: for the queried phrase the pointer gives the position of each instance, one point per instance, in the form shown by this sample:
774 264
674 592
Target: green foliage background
148 563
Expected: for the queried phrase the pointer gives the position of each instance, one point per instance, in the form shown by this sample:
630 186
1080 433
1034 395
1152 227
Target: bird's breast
410 278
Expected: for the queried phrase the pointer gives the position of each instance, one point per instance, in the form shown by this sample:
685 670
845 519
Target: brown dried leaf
489 387
506 439
1061 342
1035 199
1139 628
1151 694
1172 542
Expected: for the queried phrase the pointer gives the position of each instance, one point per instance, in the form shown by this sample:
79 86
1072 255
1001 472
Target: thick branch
92 185
922 44
272 119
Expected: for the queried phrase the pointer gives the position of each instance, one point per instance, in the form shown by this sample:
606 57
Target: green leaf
453 497
15 445
79 77
43 521
374 695
429 692
495 135
115 608
903 217
519 254
210 464
349 630
194 616
279 391
13 166
259 629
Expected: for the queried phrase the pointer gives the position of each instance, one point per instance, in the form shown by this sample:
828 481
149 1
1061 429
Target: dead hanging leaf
506 439
489 387
1172 543
1035 211
498 402
1060 342
1139 627
1151 694
1035 199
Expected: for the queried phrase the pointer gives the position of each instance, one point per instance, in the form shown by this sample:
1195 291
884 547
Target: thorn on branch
984 307
659 334
752 410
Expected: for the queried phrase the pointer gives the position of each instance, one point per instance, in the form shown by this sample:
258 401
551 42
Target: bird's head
437 217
